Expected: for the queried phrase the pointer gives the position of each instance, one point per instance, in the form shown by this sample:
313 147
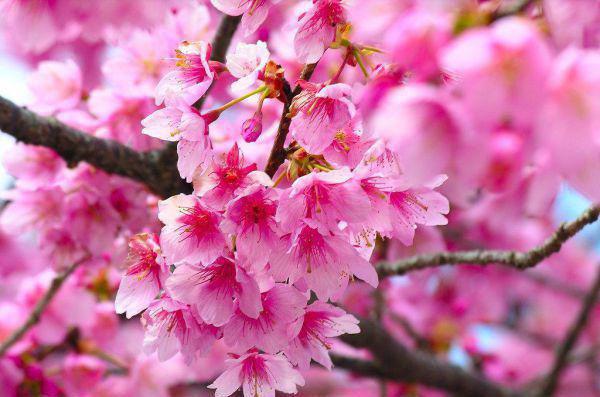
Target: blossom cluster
240 257
247 281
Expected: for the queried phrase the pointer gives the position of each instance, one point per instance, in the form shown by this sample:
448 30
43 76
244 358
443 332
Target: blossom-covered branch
39 308
561 360
518 260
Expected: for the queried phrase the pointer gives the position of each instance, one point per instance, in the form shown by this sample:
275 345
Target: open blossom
320 322
255 11
572 116
174 123
216 290
194 156
317 29
325 262
319 111
259 375
191 232
348 146
281 306
143 279
218 184
251 218
171 327
425 122
507 65
325 198
398 205
191 78
56 86
82 373
246 63
417 206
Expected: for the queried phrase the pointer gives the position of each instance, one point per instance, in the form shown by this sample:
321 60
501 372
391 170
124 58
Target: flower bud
252 128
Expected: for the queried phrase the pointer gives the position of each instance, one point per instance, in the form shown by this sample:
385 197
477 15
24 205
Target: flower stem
240 99
279 179
360 62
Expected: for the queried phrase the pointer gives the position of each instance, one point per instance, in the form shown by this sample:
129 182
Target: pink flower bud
252 128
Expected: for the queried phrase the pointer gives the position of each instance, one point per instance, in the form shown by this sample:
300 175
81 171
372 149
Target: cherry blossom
258 375
191 78
246 63
191 232
317 29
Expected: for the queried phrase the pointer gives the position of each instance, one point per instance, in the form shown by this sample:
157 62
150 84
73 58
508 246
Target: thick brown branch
561 359
278 154
39 308
360 367
398 363
518 260
74 146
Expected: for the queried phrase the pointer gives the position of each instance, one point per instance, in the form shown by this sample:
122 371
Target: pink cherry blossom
317 29
176 123
251 218
255 11
142 280
320 322
82 373
324 197
507 65
191 78
319 112
230 175
191 232
413 206
171 327
246 63
194 157
259 375
56 86
281 305
571 117
326 262
214 291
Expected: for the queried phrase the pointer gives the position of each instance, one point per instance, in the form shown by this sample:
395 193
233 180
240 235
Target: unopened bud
252 128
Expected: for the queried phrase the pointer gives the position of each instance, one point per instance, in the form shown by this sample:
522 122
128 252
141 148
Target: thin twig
518 260
40 306
278 153
561 359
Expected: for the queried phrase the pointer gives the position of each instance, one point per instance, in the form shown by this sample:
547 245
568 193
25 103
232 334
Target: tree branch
40 306
400 364
75 146
518 260
561 359
278 153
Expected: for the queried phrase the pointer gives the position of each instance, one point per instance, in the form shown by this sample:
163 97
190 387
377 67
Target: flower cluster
240 257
